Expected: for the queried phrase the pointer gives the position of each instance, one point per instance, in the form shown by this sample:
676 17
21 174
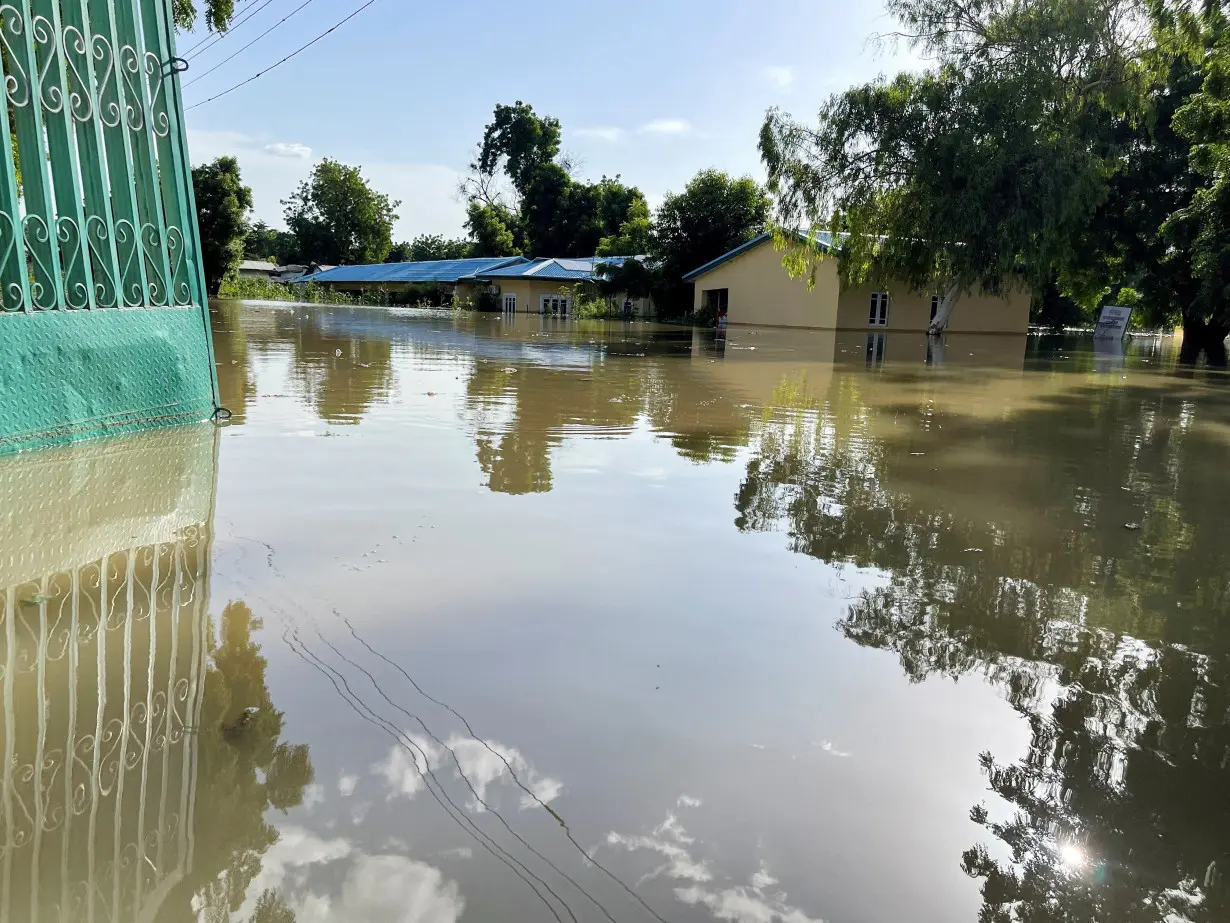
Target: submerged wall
69 375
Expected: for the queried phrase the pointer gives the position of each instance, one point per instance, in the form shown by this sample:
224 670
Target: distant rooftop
562 269
257 266
427 271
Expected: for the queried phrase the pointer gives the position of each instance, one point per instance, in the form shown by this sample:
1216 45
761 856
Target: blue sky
653 90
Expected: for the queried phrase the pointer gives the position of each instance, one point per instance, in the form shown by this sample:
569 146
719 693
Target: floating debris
1132 526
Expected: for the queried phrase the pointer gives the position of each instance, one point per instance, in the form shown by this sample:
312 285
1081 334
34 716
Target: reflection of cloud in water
750 903
484 764
387 889
377 889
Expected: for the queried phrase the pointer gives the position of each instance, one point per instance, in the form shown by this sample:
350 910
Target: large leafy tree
523 197
338 218
990 161
713 214
222 206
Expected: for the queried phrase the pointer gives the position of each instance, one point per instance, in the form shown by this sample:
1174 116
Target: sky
651 90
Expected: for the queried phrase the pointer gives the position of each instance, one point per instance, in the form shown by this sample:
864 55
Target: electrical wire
209 41
249 45
294 53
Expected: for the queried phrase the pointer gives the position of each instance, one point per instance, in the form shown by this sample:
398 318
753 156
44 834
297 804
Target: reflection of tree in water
341 388
236 385
244 769
1005 545
524 413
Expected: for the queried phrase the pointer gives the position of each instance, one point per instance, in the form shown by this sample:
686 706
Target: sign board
1113 323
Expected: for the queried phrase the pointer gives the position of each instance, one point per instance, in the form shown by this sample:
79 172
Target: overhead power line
206 43
249 45
278 64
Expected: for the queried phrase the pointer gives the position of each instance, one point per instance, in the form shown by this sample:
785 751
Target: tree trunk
1208 337
945 310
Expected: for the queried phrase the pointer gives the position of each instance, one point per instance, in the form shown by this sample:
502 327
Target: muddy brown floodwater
468 618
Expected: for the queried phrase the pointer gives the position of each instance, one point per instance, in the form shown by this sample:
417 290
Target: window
879 310
554 304
716 299
875 349
510 304
935 306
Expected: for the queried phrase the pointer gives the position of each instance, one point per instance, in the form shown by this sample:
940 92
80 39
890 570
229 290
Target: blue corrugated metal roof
431 271
823 238
562 269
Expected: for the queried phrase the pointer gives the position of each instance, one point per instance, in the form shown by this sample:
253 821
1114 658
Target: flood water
467 618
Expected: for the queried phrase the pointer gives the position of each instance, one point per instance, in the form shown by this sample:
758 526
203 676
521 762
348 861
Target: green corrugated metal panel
96 212
68 375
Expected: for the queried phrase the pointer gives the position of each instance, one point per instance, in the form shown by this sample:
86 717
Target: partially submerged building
749 286
512 284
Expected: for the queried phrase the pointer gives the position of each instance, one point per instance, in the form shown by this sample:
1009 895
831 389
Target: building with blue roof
517 284
546 286
748 285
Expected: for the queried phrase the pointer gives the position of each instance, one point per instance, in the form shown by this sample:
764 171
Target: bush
249 289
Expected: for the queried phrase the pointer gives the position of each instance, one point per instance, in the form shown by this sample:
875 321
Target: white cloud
481 764
666 127
296 848
427 191
346 784
780 76
387 889
739 904
601 133
290 149
313 795
405 768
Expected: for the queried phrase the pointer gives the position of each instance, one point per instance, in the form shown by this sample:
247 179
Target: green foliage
490 228
222 206
218 14
338 218
631 277
517 142
266 243
552 213
248 289
714 214
429 247
635 234
993 159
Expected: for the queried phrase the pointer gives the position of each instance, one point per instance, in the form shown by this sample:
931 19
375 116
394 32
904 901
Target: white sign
1113 323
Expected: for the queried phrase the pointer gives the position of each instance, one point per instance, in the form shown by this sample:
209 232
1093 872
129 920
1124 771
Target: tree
218 14
635 234
714 214
338 218
992 161
429 247
266 243
222 206
522 186
491 229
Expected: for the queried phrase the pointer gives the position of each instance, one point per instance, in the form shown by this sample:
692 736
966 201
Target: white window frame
510 303
878 315
544 304
935 306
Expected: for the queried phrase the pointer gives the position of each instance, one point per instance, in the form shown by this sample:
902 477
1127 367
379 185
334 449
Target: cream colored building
751 286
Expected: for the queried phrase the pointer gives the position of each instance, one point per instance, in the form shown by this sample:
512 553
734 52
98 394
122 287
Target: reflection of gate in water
96 215
102 669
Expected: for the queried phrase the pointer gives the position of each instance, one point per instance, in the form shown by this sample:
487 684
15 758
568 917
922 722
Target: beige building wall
761 292
911 310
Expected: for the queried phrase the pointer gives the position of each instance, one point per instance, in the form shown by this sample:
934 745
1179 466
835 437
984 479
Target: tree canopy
266 243
338 218
713 214
218 14
990 161
522 196
222 206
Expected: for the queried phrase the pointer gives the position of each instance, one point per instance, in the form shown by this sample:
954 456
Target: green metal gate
104 323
